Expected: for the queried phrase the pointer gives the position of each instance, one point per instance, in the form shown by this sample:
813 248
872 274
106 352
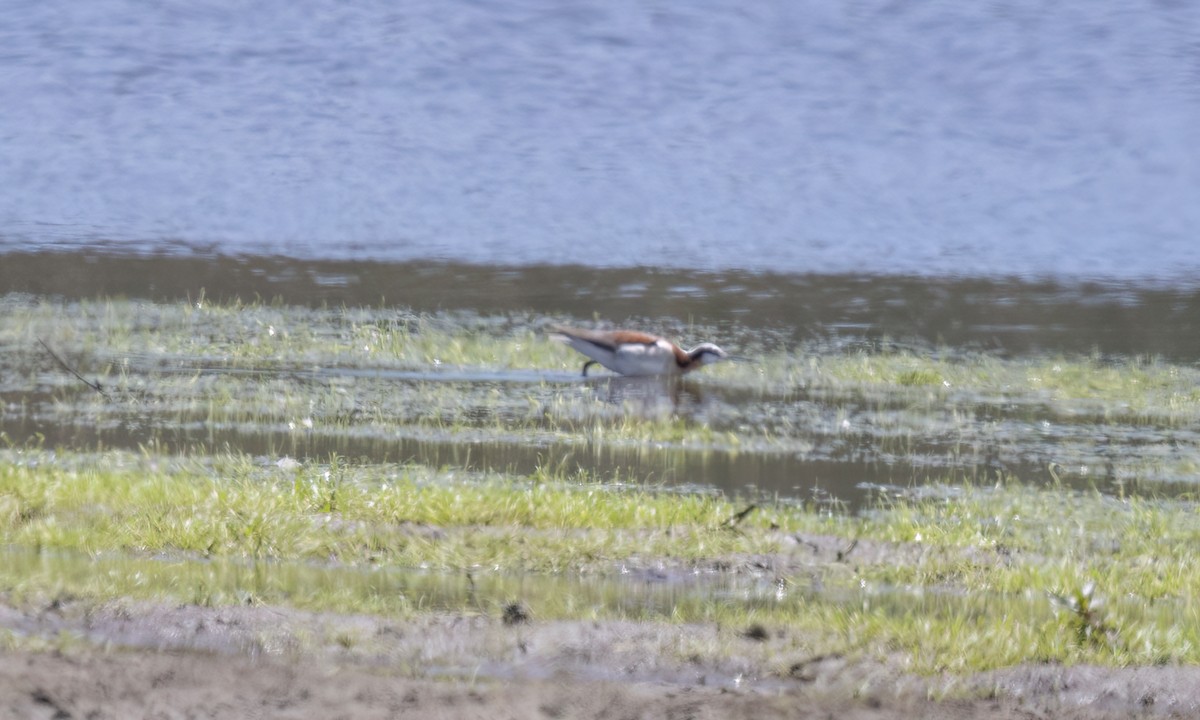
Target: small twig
733 521
843 554
63 364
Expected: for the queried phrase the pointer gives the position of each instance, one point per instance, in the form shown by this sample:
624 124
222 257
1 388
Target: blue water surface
942 138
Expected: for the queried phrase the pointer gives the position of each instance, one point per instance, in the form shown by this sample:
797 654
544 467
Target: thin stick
733 521
63 364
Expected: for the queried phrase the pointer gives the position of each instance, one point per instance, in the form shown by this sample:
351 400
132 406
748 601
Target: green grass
962 580
354 515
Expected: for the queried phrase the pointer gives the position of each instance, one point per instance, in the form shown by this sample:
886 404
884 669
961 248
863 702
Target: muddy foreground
73 659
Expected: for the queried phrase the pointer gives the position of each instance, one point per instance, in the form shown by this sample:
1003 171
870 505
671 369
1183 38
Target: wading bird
630 352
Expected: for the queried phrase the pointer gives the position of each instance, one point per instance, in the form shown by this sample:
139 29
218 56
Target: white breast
639 359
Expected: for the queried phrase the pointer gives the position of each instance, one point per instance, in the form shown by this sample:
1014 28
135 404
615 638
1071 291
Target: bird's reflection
649 395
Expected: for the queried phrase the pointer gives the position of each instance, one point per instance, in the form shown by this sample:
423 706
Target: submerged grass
342 372
263 337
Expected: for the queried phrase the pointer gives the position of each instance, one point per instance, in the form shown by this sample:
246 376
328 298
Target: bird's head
707 354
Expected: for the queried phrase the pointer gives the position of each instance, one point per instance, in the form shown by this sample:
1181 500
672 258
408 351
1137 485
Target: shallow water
1007 316
177 381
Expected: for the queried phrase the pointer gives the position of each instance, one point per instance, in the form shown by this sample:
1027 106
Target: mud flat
147 660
